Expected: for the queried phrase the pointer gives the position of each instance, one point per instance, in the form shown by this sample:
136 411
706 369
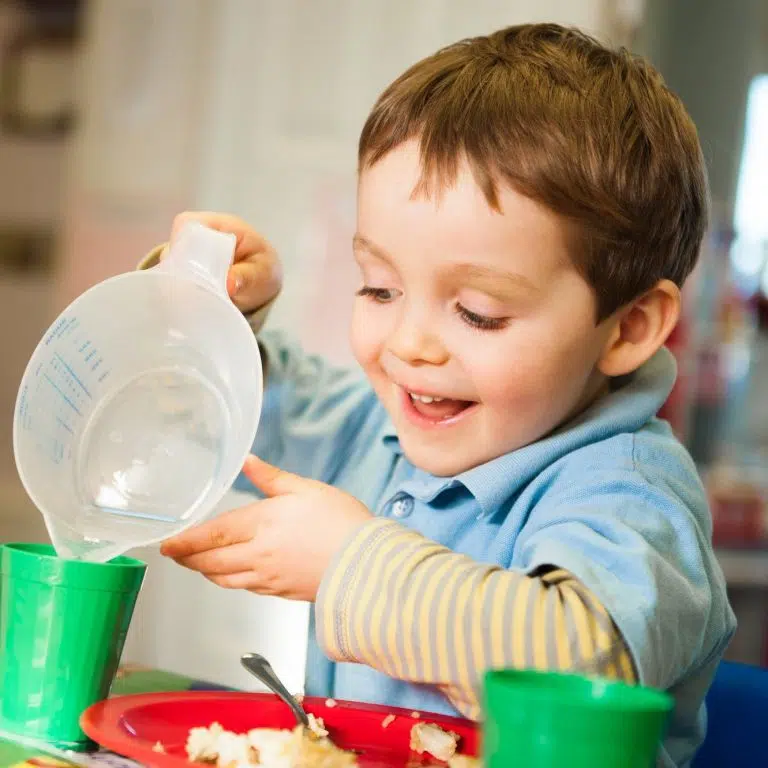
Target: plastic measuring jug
140 404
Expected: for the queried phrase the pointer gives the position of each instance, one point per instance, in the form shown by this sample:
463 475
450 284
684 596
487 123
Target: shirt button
402 506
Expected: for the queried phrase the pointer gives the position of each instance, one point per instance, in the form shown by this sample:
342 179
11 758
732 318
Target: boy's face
473 326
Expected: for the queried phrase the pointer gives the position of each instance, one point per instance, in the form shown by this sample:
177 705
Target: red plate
131 725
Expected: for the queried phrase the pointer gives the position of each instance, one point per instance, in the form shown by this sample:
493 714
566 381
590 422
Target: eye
379 295
481 322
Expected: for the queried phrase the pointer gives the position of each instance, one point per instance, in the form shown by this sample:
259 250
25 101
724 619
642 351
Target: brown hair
591 133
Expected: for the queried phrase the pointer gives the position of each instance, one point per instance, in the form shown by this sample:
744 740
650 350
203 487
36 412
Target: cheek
512 378
531 367
366 335
357 338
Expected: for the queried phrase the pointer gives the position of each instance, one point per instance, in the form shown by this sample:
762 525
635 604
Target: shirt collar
623 410
389 436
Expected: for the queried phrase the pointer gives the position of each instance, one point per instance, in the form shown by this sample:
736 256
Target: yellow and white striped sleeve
152 259
417 611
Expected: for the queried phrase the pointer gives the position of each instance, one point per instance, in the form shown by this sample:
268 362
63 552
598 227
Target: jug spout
203 254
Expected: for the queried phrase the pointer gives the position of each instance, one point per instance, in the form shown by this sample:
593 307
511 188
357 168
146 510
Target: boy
499 491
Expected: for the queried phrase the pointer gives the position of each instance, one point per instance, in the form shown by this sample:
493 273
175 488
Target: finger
272 480
248 241
232 527
244 580
236 558
255 281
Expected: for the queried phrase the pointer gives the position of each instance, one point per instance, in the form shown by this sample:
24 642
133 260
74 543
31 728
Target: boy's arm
418 611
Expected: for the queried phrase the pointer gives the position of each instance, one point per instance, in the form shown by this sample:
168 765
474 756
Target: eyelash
472 319
379 295
480 322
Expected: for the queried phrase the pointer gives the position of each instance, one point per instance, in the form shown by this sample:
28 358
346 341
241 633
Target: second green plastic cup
62 629
551 720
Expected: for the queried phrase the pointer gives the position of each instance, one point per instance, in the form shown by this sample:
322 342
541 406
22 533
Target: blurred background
117 114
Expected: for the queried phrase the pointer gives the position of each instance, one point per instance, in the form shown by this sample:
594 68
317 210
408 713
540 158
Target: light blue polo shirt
612 497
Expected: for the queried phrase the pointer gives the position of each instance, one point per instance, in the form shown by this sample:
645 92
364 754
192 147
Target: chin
439 464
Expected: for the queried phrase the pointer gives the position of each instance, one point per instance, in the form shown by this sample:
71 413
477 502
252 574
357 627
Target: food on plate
307 747
316 726
432 739
320 753
159 747
268 748
464 761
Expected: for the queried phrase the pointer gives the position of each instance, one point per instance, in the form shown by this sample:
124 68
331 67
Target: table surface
129 680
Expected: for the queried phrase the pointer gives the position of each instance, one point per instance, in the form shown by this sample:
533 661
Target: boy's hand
279 546
256 277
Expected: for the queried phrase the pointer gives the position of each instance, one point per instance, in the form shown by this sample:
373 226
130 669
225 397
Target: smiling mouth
432 409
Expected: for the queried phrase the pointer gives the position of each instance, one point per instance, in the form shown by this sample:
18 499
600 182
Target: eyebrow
495 282
492 280
361 243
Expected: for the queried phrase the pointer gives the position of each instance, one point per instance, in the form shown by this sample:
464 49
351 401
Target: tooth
426 398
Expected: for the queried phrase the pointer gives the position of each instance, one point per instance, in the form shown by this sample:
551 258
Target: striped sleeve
152 259
417 611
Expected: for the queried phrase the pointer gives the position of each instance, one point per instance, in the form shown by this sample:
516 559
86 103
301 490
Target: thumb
253 283
271 480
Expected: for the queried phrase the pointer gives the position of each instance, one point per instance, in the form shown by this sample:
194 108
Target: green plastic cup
551 720
62 629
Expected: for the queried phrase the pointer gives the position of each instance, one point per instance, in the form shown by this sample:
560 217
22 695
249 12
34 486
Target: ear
640 328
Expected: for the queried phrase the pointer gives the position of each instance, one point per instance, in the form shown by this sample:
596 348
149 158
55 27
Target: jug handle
202 254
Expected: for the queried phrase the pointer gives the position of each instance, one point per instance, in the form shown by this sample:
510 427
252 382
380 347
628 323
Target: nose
415 341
